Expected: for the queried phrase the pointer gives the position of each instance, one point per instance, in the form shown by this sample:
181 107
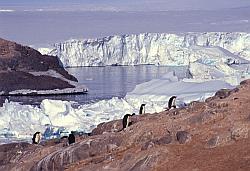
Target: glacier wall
156 48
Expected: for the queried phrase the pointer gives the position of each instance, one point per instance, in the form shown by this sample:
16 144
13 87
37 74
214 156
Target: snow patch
45 51
7 10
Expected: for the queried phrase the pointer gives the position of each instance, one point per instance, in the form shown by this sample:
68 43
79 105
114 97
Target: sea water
107 82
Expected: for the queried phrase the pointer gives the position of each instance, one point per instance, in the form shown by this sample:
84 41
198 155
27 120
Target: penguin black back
171 102
36 138
142 109
126 122
71 138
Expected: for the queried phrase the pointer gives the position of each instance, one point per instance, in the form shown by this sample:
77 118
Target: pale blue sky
96 18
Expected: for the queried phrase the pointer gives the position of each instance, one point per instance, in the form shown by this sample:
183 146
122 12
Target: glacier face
209 48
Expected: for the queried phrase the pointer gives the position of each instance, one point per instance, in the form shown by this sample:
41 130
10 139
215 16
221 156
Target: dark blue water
107 82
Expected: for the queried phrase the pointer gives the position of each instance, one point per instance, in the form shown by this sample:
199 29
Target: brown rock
213 142
145 136
183 137
164 140
148 145
144 164
223 93
239 132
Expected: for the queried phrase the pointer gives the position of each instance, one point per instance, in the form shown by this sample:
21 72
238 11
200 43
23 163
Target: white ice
210 48
21 121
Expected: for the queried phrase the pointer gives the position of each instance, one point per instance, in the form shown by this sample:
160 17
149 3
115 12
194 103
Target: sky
43 22
123 5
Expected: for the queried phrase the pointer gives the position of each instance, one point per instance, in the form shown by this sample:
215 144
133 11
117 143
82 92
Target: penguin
36 138
126 122
171 102
71 138
142 109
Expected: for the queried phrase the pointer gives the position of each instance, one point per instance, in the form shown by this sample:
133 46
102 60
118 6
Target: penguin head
173 97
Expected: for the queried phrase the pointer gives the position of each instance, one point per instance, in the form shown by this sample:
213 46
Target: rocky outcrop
19 80
211 135
18 63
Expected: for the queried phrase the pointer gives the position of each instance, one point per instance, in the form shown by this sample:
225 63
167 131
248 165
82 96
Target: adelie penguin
126 122
142 109
36 138
71 138
171 103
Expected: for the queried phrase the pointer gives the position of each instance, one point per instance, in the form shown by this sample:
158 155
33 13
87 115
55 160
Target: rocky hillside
19 63
211 135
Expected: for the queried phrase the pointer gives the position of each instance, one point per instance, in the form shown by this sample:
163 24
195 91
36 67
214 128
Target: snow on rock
155 48
45 51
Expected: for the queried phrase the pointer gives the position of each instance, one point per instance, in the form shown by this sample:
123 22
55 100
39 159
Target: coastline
66 91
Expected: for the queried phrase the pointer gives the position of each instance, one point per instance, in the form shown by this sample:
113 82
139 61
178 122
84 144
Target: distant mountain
128 5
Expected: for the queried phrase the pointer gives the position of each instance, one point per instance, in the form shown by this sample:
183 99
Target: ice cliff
156 48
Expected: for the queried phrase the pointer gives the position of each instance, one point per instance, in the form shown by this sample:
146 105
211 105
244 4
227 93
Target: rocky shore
210 135
25 71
